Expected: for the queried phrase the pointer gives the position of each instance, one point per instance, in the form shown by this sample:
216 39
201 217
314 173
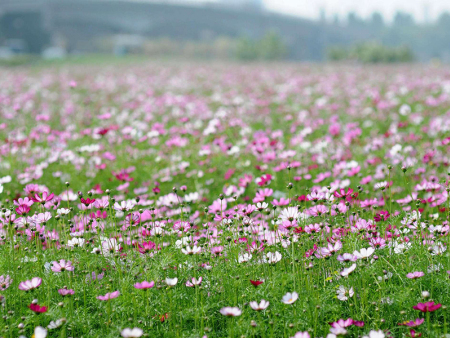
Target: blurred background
299 30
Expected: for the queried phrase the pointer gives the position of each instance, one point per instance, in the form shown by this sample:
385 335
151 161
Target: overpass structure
35 21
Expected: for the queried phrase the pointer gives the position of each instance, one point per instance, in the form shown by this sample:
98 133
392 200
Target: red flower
255 283
38 309
427 307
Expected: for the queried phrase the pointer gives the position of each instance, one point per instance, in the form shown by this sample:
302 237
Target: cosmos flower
171 281
62 265
413 323
144 285
194 282
37 308
5 282
108 296
416 274
302 335
263 304
343 293
375 334
290 298
348 271
427 307
66 292
230 311
30 284
132 333
191 251
39 332
364 253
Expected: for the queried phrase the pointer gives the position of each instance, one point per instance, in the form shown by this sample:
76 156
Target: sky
364 8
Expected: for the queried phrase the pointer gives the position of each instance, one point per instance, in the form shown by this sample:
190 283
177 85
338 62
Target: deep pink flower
38 309
109 296
427 307
381 216
414 334
144 285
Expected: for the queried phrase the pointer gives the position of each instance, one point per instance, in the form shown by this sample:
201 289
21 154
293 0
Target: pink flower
302 335
146 247
66 292
416 274
63 265
144 285
30 284
5 282
194 282
109 296
427 307
413 323
45 197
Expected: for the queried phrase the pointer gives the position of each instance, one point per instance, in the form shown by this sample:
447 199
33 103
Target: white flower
401 247
381 185
132 333
244 258
262 206
348 271
435 268
375 334
75 242
63 211
438 249
171 281
273 257
39 332
289 214
344 294
56 324
191 251
290 298
263 304
425 294
364 253
302 335
191 197
231 311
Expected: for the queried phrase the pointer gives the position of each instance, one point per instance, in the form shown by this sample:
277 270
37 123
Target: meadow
224 200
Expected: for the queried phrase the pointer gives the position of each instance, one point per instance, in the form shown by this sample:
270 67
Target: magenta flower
144 285
109 296
413 323
38 309
63 265
30 284
427 307
66 292
381 216
45 197
416 274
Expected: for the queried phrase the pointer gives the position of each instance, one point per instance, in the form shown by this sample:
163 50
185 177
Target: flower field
225 200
